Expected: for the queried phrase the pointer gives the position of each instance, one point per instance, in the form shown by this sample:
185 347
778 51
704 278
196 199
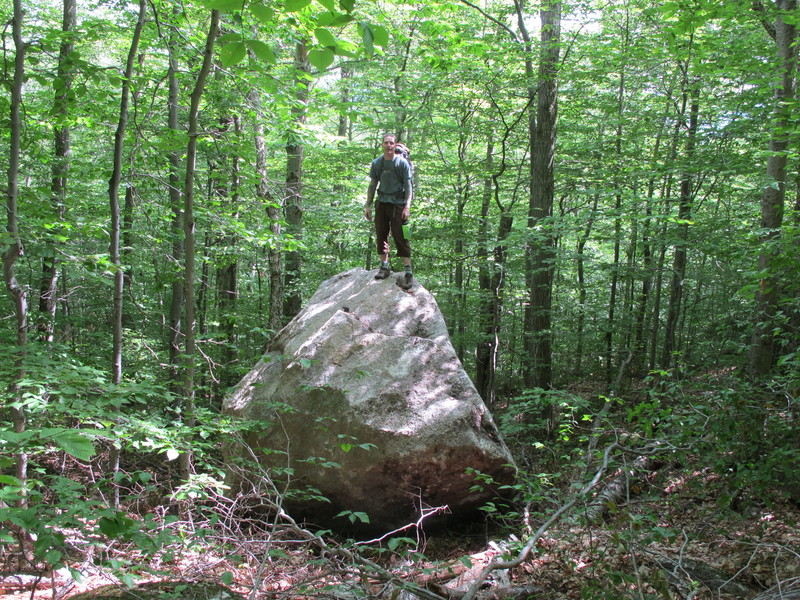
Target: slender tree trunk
116 226
460 300
343 130
227 279
668 359
540 249
294 184
486 347
190 323
273 208
763 343
612 298
582 294
640 345
177 275
15 249
48 287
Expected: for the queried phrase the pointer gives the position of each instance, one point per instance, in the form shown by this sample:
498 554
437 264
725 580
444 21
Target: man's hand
368 212
406 213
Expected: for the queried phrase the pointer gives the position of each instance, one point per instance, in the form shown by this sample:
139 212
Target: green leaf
233 53
321 58
368 37
9 480
263 13
330 5
72 442
380 35
226 578
395 542
229 37
325 37
261 51
223 5
347 5
116 526
296 5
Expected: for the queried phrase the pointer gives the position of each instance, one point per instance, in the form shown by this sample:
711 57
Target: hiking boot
383 273
406 282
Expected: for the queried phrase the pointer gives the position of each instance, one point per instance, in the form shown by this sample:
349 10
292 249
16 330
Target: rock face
366 377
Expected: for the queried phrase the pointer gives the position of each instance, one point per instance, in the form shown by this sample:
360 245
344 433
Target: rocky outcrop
363 398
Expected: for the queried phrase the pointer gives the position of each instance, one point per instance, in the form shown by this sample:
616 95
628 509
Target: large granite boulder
362 397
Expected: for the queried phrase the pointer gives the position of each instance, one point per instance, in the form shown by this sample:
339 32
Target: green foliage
533 412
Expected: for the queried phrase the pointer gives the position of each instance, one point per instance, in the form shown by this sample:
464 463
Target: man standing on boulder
393 207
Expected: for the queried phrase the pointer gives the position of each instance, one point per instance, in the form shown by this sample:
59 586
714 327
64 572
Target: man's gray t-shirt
393 175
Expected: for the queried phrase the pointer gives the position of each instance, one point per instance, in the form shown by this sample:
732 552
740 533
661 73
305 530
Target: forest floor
679 531
670 540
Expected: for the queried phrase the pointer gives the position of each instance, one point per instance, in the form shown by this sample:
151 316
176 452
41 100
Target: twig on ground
426 512
526 550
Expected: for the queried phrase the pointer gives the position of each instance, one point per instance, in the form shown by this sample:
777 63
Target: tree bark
227 280
116 225
15 248
190 323
273 209
670 347
540 248
615 268
582 294
763 343
294 184
176 304
48 287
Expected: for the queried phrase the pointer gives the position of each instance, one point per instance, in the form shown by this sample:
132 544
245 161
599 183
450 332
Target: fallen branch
425 513
523 554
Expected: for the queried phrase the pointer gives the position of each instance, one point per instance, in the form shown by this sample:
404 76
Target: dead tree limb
523 554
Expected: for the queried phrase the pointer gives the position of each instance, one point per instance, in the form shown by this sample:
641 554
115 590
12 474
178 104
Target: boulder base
362 399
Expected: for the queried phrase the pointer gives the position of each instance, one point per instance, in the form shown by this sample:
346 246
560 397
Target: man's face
388 143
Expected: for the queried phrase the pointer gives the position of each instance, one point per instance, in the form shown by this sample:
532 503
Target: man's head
389 141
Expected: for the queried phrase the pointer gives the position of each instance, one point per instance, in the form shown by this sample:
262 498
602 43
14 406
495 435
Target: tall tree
189 273
272 207
293 298
48 291
15 247
763 344
674 307
116 212
540 248
176 303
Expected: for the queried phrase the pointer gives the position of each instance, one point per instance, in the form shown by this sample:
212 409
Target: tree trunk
763 342
116 226
15 249
48 287
177 276
581 259
273 208
294 184
486 347
227 281
189 236
612 298
640 345
343 130
668 358
540 248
